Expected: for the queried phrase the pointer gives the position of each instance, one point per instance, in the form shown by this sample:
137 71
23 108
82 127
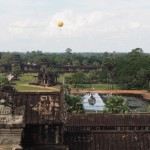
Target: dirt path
144 93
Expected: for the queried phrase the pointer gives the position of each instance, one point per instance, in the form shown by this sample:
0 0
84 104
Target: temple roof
109 120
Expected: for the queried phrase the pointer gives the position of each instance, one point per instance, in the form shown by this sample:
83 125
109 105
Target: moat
136 103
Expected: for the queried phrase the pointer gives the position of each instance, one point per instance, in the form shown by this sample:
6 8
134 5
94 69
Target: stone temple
39 121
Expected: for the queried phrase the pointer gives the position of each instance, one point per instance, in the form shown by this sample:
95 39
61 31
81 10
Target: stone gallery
34 120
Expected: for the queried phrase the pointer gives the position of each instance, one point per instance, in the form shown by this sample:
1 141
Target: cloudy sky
89 25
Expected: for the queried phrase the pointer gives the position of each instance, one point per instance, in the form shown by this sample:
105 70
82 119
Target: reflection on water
98 106
137 103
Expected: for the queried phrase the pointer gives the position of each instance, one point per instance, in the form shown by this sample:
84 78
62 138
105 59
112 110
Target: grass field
87 86
61 78
96 86
29 88
23 84
26 78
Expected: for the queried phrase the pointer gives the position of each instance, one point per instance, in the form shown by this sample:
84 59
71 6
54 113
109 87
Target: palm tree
116 105
109 64
92 75
74 103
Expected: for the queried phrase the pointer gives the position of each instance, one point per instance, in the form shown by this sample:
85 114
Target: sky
89 25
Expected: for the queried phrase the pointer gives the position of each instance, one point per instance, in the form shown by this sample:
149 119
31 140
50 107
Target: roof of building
109 120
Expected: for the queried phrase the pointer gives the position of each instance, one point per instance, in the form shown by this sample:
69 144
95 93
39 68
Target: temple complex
32 67
46 78
39 120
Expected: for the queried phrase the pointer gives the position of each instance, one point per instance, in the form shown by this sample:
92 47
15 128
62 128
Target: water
98 106
136 103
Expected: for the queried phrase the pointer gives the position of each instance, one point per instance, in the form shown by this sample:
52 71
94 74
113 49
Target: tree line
129 70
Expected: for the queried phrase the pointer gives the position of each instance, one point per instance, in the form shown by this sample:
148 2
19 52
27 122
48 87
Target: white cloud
110 24
134 25
79 24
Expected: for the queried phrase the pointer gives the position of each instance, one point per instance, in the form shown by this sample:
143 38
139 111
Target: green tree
76 62
132 69
0 55
42 59
74 103
136 52
68 55
85 62
109 64
68 51
68 79
95 63
4 81
142 79
116 105
91 76
16 71
78 78
6 85
2 70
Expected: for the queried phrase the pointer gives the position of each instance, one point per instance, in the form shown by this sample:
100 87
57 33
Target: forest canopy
129 70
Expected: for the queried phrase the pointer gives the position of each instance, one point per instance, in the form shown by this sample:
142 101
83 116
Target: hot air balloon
60 24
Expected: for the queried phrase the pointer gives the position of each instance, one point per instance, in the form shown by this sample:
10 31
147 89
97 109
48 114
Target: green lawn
28 88
96 86
26 78
23 83
61 78
87 86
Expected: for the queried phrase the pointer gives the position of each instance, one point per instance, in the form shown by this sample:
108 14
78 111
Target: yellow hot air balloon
60 23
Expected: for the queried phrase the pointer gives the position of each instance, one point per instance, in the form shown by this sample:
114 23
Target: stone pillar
10 138
57 135
11 123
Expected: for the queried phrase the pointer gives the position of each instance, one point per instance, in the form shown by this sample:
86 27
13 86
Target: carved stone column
11 123
10 138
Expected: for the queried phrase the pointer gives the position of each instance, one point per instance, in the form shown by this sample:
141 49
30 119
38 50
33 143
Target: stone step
48 147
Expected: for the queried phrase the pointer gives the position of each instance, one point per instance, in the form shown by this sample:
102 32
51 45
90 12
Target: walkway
144 93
